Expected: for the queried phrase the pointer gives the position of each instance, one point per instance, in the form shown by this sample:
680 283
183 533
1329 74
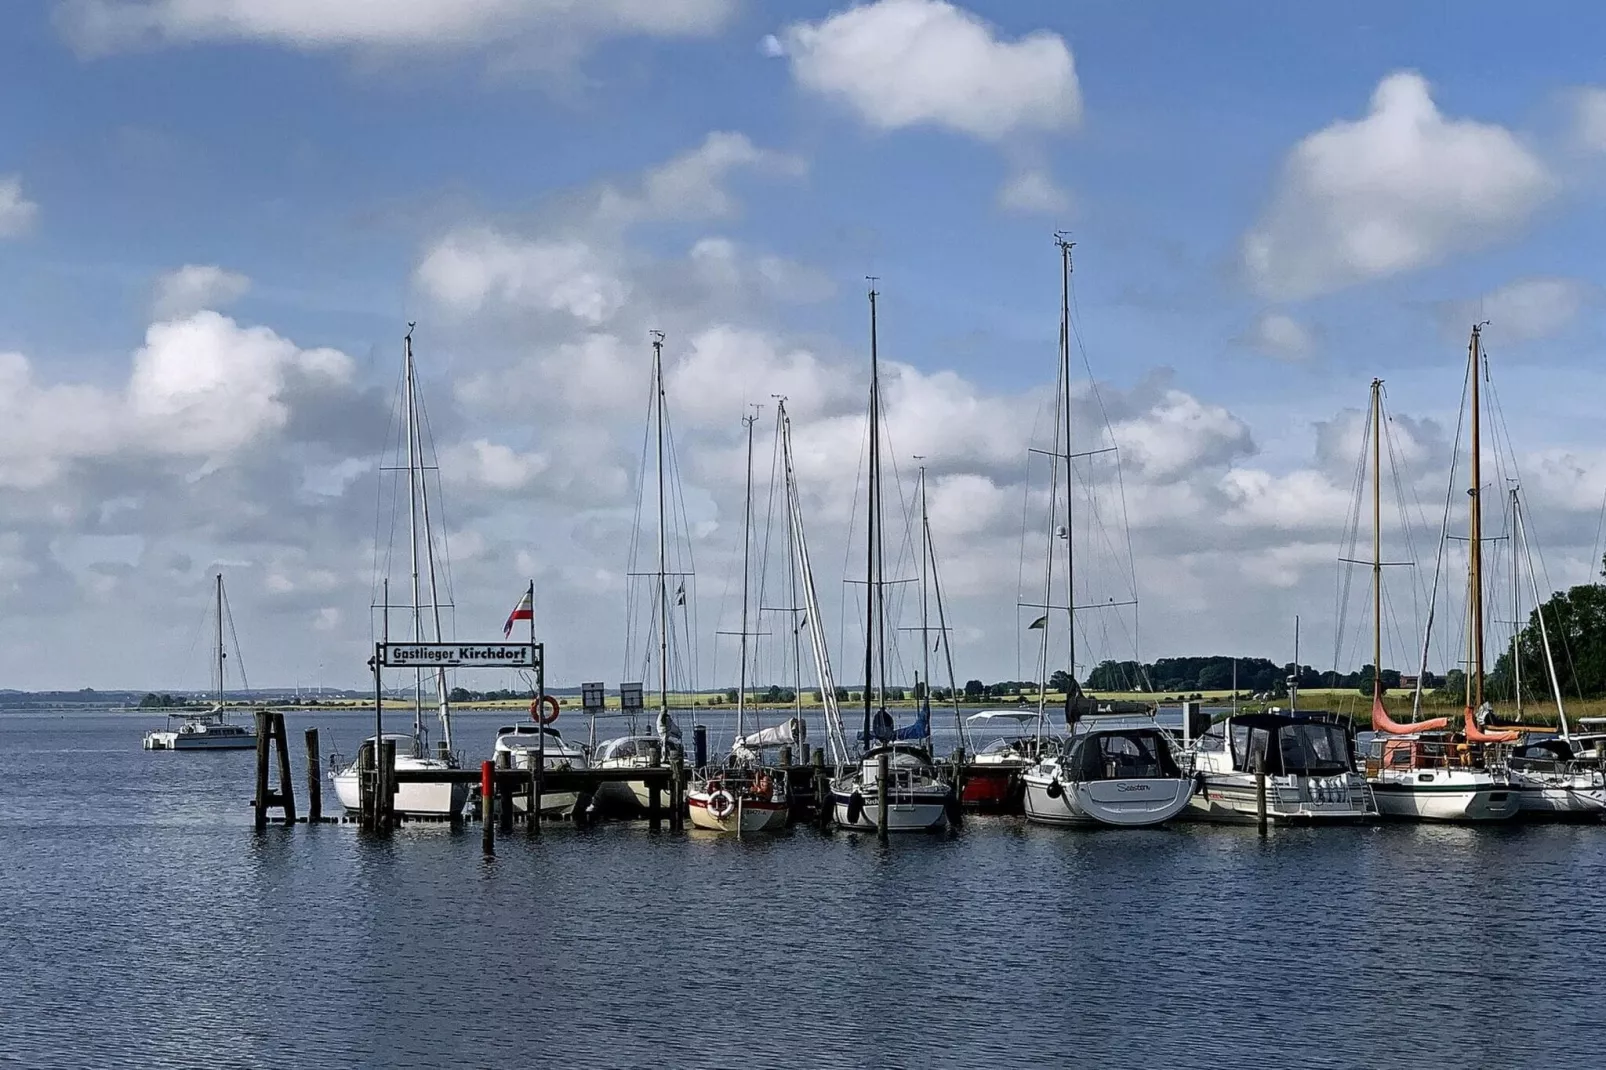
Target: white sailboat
431 798
1422 771
640 750
918 796
1113 769
741 794
211 729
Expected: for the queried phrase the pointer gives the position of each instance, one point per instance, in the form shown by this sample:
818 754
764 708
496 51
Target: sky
218 218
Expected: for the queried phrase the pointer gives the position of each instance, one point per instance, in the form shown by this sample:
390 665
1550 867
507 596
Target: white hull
1231 798
438 799
918 810
1458 795
555 804
747 816
1578 794
198 741
1123 803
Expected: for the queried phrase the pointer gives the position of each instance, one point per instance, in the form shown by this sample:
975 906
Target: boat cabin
1282 744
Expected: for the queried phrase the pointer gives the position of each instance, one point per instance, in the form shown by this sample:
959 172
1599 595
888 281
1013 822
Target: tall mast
791 561
1065 400
871 586
747 546
1377 544
925 554
1475 579
1516 610
412 524
220 653
442 706
663 521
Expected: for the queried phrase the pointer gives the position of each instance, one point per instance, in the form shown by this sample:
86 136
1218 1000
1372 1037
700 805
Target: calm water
143 923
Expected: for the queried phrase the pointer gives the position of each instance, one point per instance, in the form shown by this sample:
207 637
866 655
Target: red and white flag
525 610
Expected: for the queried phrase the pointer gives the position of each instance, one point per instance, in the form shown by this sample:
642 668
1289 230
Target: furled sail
1382 722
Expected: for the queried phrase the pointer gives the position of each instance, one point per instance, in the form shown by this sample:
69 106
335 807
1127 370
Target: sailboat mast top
1065 246
1475 581
925 619
747 547
221 687
411 403
1377 543
871 590
663 521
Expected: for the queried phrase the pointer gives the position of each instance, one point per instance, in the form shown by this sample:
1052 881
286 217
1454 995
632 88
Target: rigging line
239 659
440 498
1344 580
633 585
379 507
1400 504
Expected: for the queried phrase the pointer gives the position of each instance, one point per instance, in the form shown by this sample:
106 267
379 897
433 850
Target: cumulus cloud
195 287
1524 309
1279 335
17 213
1400 189
1033 192
1589 119
476 264
692 185
100 26
900 63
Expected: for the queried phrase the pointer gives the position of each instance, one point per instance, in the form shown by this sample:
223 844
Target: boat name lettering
1132 787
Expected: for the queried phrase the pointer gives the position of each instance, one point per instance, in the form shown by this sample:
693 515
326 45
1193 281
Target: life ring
551 703
720 803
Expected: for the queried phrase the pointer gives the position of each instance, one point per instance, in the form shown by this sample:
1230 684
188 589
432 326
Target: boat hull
993 788
437 799
908 810
1579 795
197 741
1467 798
1232 799
749 815
1119 803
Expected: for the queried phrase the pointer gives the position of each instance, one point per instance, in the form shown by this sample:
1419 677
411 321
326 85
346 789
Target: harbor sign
458 655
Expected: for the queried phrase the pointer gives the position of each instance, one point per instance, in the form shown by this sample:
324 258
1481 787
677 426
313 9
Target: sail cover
788 732
921 729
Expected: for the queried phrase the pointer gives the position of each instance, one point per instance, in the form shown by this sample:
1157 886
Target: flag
525 610
680 594
1040 622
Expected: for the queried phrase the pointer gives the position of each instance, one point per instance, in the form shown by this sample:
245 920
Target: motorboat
919 798
1556 778
1308 764
433 799
528 742
993 774
201 731
1115 769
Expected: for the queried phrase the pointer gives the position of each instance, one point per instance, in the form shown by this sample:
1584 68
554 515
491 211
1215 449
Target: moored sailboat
209 729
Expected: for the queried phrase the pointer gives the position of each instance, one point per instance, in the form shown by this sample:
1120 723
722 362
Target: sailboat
741 794
918 796
1114 769
638 750
414 799
210 730
1421 770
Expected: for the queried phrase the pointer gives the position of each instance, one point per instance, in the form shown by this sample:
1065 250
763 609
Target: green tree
460 694
920 690
732 697
1059 680
975 689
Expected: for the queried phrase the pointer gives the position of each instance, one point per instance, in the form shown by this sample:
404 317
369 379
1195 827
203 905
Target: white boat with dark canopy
530 742
1308 762
1117 769
433 799
210 729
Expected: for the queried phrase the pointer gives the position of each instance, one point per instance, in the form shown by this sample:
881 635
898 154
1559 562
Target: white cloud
1400 189
1033 192
195 287
17 213
1589 119
1523 310
474 265
492 465
899 63
1178 434
1279 335
691 185
98 26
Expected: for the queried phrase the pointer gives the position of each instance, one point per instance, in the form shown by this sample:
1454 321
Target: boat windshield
1292 748
1133 755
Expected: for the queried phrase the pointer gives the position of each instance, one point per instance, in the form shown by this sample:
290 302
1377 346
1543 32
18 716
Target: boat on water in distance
211 729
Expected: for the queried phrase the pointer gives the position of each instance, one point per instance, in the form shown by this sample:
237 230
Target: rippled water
143 923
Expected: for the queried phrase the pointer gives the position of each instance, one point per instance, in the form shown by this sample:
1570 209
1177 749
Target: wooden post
1260 795
261 799
655 806
958 815
504 793
883 796
385 805
314 780
367 783
824 804
532 798
287 786
487 807
677 792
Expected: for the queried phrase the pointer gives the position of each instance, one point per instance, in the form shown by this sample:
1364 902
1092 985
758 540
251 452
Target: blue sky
325 160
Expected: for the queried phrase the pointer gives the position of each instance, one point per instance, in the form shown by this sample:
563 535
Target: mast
747 545
871 589
663 543
1475 577
1516 619
1520 529
791 561
1377 544
220 652
925 627
412 526
1070 539
443 708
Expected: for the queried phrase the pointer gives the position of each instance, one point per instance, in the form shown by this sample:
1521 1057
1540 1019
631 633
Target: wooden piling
882 794
314 780
487 807
287 788
504 793
824 804
655 806
677 792
260 799
385 803
532 798
958 815
1260 796
367 783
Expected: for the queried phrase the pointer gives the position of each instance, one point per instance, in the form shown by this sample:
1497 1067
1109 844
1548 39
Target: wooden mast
872 589
1377 544
1072 690
1475 578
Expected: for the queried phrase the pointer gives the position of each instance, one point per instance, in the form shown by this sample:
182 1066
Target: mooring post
260 802
958 815
488 807
823 802
1260 794
882 794
532 798
314 780
367 783
677 793
386 803
287 786
504 792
